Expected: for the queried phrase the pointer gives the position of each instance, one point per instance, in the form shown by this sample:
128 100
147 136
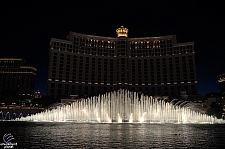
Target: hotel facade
90 65
17 77
221 81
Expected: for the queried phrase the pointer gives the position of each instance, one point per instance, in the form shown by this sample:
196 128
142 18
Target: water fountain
9 116
122 106
1 115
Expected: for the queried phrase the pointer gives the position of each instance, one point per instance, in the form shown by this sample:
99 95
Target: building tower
122 32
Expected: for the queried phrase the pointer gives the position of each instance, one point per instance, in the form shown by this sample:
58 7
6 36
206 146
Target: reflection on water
73 135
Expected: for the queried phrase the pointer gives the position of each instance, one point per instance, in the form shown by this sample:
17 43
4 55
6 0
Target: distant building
16 77
221 81
37 94
89 65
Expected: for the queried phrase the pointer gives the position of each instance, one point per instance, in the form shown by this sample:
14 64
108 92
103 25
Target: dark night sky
28 26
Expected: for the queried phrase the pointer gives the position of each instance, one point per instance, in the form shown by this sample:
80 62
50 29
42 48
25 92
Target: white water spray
122 107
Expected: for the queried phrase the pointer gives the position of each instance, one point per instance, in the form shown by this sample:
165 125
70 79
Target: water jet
122 106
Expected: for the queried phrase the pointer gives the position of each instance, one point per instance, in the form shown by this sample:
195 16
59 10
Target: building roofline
156 37
29 67
183 44
12 59
92 36
60 40
115 38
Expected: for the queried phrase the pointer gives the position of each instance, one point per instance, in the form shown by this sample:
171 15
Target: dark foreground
72 135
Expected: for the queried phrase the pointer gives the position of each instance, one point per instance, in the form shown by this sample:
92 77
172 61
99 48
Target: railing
20 107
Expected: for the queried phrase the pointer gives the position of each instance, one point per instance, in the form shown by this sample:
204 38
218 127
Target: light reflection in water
96 135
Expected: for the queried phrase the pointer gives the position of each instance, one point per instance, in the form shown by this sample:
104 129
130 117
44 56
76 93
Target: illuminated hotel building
15 76
221 81
89 65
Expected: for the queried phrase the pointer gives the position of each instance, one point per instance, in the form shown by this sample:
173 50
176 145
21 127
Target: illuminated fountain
9 116
122 107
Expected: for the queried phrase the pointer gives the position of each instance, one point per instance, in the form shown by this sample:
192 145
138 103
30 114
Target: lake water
71 135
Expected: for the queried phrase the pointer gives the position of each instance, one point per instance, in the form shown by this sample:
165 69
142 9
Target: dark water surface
72 135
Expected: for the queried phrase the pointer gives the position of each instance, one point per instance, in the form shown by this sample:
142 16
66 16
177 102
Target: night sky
28 26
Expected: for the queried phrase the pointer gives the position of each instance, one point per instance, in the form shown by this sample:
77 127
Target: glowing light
122 32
